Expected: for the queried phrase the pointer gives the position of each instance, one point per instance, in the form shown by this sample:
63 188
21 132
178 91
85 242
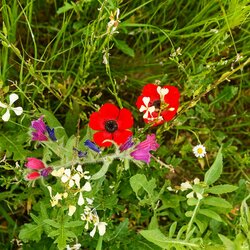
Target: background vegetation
52 55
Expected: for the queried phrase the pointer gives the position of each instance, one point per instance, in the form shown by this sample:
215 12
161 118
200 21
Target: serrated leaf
211 214
213 174
217 202
221 189
31 232
123 46
139 181
158 238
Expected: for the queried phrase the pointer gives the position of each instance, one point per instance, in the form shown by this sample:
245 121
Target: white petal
6 116
50 190
2 105
199 196
90 201
18 110
146 100
190 195
196 180
102 228
92 233
58 173
64 178
79 168
76 178
67 172
185 186
80 200
13 97
72 210
87 187
71 183
142 108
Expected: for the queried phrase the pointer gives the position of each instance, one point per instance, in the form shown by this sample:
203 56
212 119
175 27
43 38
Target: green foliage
65 59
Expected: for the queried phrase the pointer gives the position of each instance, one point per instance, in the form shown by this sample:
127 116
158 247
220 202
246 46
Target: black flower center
157 104
111 126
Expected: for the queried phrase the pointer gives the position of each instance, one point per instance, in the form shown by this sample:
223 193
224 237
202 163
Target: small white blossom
162 92
101 229
145 107
72 210
114 22
18 110
74 247
199 151
54 199
185 186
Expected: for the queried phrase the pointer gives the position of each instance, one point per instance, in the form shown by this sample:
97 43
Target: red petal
168 115
150 90
121 136
109 111
172 97
125 119
99 137
139 101
96 122
33 176
34 163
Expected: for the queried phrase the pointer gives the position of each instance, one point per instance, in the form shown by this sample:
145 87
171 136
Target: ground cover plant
124 124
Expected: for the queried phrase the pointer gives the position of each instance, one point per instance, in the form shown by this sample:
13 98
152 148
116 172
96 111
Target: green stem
99 243
193 217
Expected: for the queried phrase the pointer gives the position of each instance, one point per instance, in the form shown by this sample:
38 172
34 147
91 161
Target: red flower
38 168
112 124
158 104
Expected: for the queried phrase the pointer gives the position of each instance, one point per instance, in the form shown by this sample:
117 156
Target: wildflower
187 185
38 167
72 210
199 151
141 151
18 110
92 145
112 124
72 180
128 144
74 247
40 131
40 127
101 228
114 22
55 199
158 104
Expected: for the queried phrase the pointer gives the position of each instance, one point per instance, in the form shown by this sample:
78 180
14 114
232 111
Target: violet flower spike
92 146
141 152
51 132
80 153
128 144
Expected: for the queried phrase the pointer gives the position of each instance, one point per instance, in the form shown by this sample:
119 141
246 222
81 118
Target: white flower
185 186
114 22
72 180
162 92
58 173
101 228
149 110
18 110
72 210
199 151
74 247
54 199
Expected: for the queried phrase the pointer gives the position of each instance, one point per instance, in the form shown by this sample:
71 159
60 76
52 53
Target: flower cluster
158 104
195 192
42 130
38 169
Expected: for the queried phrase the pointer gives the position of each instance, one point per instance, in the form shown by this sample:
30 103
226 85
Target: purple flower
40 131
128 144
40 127
51 132
141 152
92 145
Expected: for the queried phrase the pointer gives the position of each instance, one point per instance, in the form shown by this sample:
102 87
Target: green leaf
158 238
211 214
66 7
54 123
74 224
217 202
123 46
172 229
139 181
31 232
221 189
103 170
227 243
213 174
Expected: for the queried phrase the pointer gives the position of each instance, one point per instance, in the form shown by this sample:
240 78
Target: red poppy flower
112 124
158 104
